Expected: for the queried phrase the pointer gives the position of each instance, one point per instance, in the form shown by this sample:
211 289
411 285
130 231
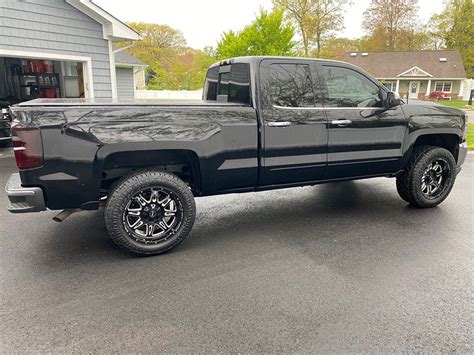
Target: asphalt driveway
345 267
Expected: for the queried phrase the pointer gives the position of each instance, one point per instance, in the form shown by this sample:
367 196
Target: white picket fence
168 94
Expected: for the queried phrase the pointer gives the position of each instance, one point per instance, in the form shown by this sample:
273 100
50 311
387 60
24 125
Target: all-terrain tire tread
125 186
405 183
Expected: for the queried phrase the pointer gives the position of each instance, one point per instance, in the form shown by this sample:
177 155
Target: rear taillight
27 146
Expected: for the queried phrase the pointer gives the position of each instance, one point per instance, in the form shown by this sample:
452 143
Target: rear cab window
228 83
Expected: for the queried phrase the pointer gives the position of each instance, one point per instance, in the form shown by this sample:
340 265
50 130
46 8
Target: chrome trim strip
297 108
279 124
341 123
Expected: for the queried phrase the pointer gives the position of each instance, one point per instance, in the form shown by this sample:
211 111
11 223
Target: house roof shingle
123 58
391 64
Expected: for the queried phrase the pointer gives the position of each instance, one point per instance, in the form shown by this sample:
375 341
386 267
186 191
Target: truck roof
257 59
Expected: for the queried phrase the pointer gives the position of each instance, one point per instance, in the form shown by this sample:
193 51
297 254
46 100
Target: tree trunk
318 44
305 42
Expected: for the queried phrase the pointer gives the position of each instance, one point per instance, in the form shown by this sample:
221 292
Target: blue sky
202 21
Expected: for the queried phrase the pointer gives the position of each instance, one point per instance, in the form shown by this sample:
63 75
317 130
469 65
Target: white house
415 73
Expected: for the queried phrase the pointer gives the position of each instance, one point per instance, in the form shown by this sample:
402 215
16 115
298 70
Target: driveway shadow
295 215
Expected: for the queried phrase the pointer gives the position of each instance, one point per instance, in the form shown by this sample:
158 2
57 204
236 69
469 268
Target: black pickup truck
264 123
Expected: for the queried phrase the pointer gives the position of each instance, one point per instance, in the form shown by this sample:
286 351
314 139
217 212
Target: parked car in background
264 123
438 95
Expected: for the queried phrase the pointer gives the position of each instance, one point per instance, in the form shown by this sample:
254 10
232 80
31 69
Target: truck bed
124 102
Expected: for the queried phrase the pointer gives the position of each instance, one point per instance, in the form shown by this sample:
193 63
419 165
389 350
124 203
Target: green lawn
470 136
453 103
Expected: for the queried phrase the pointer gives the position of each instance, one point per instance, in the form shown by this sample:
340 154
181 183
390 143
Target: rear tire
150 212
429 177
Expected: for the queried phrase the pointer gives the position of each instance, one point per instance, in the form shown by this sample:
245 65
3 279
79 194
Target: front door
414 90
294 123
364 138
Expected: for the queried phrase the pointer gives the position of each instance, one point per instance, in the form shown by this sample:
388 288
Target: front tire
150 212
428 178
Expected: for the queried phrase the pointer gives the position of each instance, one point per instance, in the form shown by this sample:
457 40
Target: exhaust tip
61 216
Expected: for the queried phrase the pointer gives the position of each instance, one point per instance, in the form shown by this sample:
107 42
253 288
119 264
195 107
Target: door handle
279 124
341 123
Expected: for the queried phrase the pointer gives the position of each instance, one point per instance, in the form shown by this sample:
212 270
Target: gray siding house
64 48
130 74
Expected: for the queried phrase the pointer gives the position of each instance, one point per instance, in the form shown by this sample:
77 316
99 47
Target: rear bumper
24 199
461 156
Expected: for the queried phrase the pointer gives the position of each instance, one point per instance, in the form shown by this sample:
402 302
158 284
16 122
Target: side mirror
393 99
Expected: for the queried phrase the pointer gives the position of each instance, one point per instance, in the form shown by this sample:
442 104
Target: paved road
345 267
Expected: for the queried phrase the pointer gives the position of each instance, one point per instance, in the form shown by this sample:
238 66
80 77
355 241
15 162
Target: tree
159 48
336 48
266 35
407 40
316 20
171 64
185 72
389 21
453 28
414 40
159 42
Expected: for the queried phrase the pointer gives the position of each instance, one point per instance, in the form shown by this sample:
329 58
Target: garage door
125 85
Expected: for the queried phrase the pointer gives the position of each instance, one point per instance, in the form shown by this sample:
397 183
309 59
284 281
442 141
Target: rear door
295 136
364 138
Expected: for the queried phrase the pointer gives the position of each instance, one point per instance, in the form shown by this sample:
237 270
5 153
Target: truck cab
322 120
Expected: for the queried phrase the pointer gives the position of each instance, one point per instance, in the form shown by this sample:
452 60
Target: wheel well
183 163
447 141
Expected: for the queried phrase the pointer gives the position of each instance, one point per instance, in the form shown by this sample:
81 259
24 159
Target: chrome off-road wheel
153 215
435 178
150 212
429 177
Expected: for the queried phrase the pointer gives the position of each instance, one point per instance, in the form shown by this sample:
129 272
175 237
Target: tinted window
228 83
348 88
212 79
291 85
